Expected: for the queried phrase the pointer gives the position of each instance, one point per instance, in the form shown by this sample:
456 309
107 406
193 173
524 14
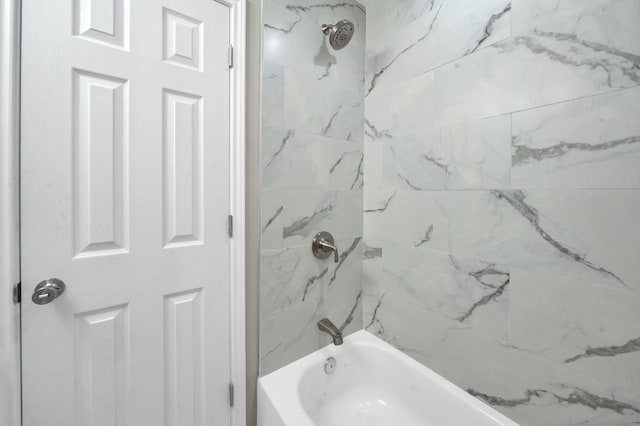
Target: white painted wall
9 266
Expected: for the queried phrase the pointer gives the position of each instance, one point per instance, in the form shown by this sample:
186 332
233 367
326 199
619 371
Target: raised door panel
101 139
184 359
182 40
102 21
183 174
103 367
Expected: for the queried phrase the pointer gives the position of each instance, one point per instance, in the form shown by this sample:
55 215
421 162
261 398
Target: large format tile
317 106
611 23
501 210
291 217
346 168
373 167
587 143
553 63
583 326
271 209
409 40
526 387
472 155
407 109
469 291
312 171
293 39
571 58
293 275
397 217
287 335
531 389
297 159
291 333
586 235
272 94
309 212
293 159
527 14
396 14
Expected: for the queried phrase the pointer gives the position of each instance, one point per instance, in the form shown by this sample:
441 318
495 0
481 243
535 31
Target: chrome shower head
339 34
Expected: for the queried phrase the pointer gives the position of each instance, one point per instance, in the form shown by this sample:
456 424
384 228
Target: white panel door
125 197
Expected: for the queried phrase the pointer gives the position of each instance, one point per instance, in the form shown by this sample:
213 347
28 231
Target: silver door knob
47 291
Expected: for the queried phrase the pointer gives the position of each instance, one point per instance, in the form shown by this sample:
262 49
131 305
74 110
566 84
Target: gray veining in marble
577 396
488 28
300 226
350 251
497 292
383 207
586 143
516 199
383 68
426 238
481 173
598 56
628 347
441 34
273 218
524 154
501 201
373 133
312 176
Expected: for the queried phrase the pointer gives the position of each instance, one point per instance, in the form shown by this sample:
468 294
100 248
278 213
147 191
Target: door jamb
10 396
237 38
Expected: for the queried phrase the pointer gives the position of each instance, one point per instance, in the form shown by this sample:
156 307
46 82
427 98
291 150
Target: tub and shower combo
365 381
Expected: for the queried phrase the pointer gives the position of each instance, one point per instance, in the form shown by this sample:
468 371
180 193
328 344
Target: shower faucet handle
322 246
331 247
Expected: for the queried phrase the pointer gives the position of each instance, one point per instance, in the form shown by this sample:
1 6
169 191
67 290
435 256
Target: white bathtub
373 384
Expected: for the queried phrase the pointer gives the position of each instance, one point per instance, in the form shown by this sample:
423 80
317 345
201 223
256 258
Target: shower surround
312 168
495 235
502 200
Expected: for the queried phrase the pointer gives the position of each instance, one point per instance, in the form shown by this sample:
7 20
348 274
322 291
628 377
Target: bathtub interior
375 384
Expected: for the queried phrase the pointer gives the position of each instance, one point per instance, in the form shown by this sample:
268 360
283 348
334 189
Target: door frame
237 281
10 195
10 405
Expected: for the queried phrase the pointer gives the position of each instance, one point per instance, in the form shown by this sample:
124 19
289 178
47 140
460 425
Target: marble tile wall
312 176
502 200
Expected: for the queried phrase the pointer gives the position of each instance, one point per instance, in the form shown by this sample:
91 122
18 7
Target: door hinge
17 293
230 226
231 395
230 56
